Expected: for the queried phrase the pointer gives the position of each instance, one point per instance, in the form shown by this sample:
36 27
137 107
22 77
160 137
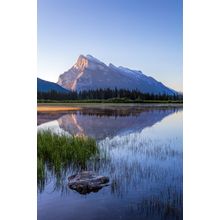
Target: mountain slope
89 74
46 86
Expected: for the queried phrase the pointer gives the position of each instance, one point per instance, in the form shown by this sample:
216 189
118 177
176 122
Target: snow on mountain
89 73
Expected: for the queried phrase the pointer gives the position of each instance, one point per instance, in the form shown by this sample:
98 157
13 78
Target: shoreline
48 107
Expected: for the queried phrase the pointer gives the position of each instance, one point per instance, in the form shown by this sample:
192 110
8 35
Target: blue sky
139 34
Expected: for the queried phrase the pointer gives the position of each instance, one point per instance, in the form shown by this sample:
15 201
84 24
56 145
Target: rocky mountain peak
82 63
87 62
89 73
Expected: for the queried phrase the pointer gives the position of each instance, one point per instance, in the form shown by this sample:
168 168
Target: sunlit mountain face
89 73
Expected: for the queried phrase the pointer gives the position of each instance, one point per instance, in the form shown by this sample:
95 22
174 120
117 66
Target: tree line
105 94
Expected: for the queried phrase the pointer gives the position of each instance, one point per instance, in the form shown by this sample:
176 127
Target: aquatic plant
58 152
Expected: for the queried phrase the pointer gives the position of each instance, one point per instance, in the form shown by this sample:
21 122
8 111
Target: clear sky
144 35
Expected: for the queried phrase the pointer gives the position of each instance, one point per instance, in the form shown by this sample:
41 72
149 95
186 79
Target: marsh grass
57 153
160 207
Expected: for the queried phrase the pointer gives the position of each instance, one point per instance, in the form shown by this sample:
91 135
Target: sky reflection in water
141 154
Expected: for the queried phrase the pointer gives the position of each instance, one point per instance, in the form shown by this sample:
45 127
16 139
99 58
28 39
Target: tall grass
56 153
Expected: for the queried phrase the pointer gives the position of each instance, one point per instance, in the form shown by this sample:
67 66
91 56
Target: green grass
56 153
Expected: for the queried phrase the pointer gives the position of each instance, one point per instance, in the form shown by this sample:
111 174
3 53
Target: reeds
58 152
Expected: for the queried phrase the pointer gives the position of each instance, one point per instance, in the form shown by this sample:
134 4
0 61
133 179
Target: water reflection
101 123
141 153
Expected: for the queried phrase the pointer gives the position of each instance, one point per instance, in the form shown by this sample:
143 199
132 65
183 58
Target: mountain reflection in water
101 123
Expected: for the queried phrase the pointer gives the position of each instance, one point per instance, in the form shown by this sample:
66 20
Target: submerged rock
87 181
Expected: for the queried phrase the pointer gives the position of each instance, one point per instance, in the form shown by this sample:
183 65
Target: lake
141 151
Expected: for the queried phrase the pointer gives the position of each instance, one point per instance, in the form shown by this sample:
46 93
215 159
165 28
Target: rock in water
87 181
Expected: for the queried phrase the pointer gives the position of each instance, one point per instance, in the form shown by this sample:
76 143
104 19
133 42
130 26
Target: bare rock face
89 73
86 182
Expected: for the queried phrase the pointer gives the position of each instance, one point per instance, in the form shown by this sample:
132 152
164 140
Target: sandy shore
56 108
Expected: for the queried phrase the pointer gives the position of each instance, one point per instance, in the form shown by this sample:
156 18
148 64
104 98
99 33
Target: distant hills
89 73
46 86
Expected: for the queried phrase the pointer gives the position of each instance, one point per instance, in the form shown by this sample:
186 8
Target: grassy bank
58 106
56 153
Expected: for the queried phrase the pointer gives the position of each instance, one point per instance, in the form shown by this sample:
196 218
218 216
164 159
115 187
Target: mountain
46 86
89 73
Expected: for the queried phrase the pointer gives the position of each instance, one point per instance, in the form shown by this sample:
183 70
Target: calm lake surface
142 155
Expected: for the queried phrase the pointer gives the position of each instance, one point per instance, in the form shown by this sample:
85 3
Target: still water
142 155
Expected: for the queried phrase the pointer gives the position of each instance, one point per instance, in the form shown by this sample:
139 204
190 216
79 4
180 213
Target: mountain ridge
46 86
89 73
